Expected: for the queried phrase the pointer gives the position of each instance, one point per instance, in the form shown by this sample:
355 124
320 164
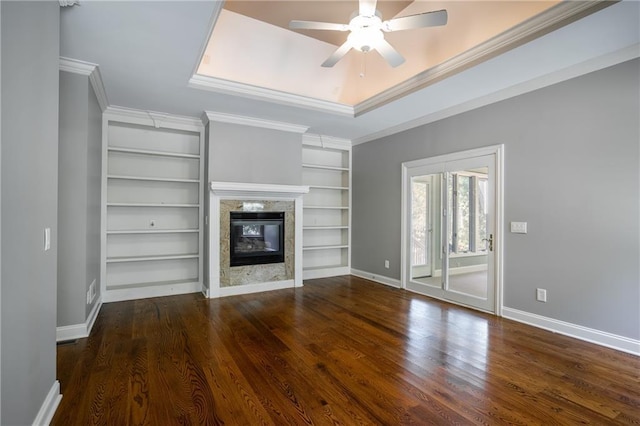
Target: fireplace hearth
256 238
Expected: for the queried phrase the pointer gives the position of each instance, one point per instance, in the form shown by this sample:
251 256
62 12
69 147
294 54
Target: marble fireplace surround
226 281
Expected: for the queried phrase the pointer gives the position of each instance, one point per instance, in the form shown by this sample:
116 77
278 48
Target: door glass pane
420 227
467 219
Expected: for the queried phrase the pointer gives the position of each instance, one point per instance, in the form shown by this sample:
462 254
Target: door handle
490 241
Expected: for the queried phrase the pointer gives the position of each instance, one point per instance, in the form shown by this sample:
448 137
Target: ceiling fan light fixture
365 39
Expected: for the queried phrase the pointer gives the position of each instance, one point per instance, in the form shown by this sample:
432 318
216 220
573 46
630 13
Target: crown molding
592 65
312 139
227 87
76 66
209 116
547 21
152 118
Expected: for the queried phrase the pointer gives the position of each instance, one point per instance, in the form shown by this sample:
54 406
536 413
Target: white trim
122 294
253 122
322 141
219 85
79 331
255 288
152 118
549 79
312 274
392 282
93 72
205 292
498 152
49 406
591 335
230 189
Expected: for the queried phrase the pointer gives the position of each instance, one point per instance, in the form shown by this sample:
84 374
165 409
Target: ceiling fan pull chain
363 71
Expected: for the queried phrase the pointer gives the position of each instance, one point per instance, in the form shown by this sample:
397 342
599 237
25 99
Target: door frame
498 152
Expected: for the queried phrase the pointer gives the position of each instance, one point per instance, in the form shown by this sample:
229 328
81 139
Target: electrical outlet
541 295
386 264
91 293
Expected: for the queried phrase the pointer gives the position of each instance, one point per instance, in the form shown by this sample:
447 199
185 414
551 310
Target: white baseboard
602 338
251 288
79 331
49 406
392 282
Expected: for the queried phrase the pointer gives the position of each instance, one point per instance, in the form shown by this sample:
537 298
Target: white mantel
251 191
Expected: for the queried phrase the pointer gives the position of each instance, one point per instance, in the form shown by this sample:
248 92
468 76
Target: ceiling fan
366 31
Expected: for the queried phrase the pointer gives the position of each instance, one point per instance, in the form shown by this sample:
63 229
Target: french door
450 237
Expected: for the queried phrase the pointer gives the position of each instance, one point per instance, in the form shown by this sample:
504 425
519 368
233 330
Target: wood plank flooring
337 351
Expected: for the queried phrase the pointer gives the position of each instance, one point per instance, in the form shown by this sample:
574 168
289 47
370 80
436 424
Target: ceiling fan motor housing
366 32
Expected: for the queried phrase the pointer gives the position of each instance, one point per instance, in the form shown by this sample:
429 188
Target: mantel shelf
151 205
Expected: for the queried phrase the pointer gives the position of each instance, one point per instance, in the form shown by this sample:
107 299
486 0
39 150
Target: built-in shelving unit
152 205
326 169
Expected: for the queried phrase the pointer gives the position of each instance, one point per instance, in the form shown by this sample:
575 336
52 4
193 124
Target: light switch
47 239
519 227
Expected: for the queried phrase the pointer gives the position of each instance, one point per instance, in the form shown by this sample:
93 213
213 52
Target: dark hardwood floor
337 351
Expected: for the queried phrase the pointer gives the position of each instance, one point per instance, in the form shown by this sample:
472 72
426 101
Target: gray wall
571 172
246 154
79 187
30 51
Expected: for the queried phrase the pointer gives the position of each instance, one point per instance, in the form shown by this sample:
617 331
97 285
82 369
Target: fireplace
256 238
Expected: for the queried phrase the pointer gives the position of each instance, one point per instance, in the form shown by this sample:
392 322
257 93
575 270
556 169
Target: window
468 218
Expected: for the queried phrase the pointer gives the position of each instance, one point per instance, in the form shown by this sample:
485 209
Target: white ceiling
148 51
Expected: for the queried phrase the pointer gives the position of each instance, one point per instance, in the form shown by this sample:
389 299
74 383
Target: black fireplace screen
257 238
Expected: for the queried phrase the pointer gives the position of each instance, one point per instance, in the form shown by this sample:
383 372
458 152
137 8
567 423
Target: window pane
462 213
419 223
482 214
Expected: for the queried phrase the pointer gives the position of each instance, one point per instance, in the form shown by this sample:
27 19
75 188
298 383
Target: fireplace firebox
256 238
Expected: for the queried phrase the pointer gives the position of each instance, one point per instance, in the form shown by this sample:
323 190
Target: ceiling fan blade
311 25
337 55
421 20
367 7
390 54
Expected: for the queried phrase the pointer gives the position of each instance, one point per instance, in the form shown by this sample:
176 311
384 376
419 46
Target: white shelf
121 259
327 210
328 247
153 179
151 205
325 227
151 176
339 188
150 152
154 231
326 207
322 167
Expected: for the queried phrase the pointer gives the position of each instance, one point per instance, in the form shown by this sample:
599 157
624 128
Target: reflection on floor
471 283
